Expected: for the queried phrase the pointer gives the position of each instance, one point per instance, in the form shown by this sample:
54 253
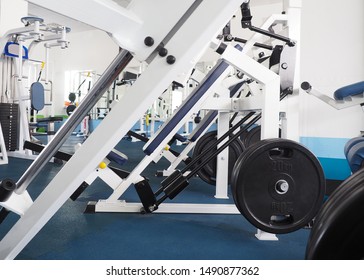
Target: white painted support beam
199 29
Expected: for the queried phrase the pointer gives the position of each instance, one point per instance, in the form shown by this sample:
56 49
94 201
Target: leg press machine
188 28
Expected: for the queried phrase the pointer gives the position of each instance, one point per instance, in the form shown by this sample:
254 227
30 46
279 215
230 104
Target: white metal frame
158 75
18 203
226 103
347 102
262 74
134 177
211 105
129 26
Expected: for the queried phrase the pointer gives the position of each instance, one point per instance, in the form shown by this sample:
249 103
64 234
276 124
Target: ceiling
77 26
52 17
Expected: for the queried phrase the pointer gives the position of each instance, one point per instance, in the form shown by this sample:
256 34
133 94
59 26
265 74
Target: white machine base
122 206
262 235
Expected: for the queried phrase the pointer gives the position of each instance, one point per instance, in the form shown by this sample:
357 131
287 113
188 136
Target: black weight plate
4 114
12 119
9 124
258 172
7 127
340 234
8 105
338 229
251 136
11 134
337 195
72 97
9 108
10 138
208 172
70 109
209 137
8 111
8 118
11 131
351 143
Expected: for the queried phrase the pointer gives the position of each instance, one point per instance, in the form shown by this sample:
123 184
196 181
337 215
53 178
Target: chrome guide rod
103 83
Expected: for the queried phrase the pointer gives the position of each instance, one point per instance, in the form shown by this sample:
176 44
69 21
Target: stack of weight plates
9 123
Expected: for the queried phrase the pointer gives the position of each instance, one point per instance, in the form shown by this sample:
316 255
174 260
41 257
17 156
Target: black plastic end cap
163 52
159 173
3 214
197 119
222 47
171 59
178 185
306 86
149 41
91 207
79 191
7 186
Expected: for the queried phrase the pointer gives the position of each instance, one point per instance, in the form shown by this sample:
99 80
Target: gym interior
181 130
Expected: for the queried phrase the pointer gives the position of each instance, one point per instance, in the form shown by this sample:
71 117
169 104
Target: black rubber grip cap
306 86
7 186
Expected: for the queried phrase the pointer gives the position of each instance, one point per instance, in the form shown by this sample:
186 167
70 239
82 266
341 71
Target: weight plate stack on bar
278 185
337 233
251 136
208 172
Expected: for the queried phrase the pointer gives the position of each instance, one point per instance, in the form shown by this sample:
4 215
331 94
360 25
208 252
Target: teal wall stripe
325 147
330 152
335 169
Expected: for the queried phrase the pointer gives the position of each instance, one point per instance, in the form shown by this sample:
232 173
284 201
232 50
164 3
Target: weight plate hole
281 220
279 153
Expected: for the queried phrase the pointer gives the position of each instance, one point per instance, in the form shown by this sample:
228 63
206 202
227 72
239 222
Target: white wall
11 11
89 50
332 56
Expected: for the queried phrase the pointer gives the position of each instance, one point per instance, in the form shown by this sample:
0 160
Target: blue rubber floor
74 235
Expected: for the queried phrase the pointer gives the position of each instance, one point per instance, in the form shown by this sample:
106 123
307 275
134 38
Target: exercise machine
345 97
23 94
337 230
142 35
